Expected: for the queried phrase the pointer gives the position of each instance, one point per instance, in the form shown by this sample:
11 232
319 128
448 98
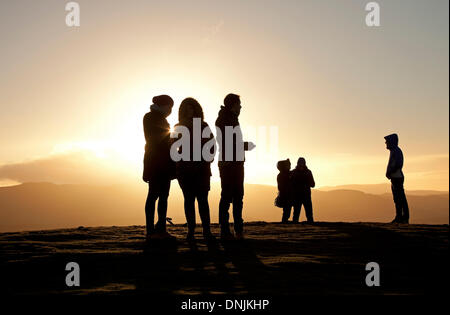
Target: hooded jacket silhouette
395 164
284 183
394 172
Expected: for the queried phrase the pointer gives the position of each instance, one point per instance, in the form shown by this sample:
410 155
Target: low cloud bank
67 168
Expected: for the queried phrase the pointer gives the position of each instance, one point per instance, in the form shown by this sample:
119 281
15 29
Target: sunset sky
72 99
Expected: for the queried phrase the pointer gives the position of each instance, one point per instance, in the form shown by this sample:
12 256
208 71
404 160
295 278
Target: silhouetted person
395 174
194 176
231 166
158 166
302 181
284 199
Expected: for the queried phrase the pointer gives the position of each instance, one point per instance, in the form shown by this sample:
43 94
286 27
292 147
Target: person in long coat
158 166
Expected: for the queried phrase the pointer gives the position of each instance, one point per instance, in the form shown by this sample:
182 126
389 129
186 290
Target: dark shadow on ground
325 258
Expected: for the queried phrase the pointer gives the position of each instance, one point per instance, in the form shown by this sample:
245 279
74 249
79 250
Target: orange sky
332 86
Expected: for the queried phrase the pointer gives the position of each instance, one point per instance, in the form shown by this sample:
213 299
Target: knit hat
163 100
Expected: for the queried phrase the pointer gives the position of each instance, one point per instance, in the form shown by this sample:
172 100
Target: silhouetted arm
395 162
279 183
155 132
312 183
391 165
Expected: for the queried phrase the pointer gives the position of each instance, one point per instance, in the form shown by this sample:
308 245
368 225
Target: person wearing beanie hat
159 168
395 174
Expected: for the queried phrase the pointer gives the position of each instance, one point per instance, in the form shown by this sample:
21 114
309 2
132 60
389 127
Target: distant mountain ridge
37 206
379 189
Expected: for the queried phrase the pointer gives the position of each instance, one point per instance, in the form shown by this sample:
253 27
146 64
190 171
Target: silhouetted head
284 165
164 103
189 109
233 103
391 141
301 162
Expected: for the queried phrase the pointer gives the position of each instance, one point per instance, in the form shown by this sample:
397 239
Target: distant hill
35 206
379 189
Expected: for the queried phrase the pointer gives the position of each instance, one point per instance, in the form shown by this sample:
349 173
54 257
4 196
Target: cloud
68 168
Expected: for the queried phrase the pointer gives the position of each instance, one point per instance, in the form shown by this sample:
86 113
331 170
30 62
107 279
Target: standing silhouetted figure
231 165
284 198
395 174
302 181
158 166
194 176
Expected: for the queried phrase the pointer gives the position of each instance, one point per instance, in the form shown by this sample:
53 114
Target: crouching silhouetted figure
284 198
395 174
194 174
302 181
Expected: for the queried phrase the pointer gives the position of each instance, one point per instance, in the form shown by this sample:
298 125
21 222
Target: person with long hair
194 174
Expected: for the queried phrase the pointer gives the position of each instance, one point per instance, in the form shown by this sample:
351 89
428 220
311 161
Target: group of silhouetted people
294 190
194 173
294 187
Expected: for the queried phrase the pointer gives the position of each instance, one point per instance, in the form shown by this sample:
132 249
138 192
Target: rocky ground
275 259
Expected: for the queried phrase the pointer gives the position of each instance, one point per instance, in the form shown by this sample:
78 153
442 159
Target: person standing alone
395 174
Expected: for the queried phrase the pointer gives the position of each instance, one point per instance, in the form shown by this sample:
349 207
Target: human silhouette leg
162 214
237 215
226 197
232 181
297 209
224 216
398 209
401 203
189 211
203 209
405 213
238 197
163 195
150 204
286 214
308 209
